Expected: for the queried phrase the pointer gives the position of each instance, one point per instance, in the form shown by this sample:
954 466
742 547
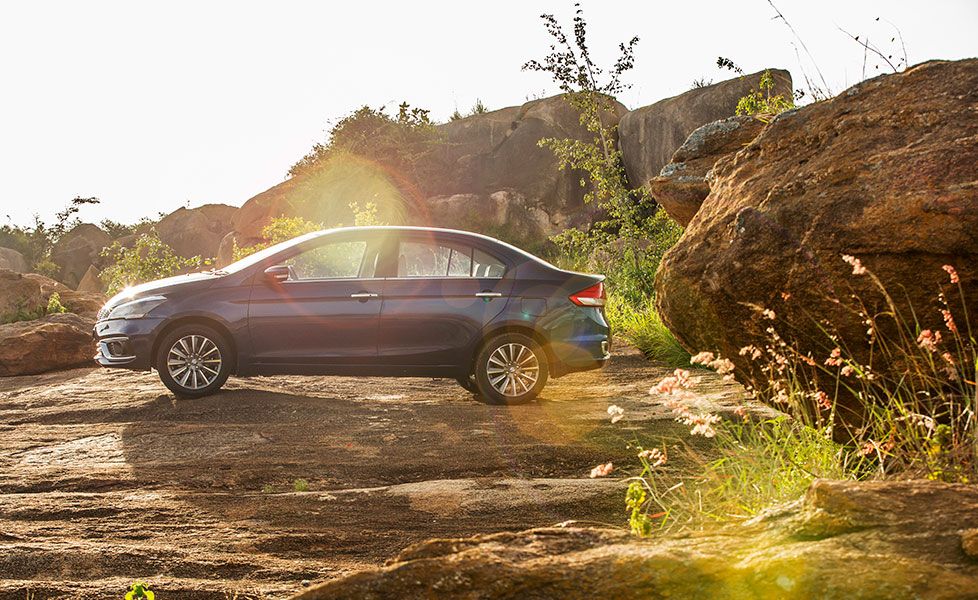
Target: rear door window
440 259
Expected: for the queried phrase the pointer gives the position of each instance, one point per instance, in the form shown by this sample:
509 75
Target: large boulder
196 231
885 171
77 250
20 296
81 302
59 341
483 166
12 260
648 136
910 539
681 186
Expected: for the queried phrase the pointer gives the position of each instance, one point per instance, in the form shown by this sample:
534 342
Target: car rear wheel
193 361
511 368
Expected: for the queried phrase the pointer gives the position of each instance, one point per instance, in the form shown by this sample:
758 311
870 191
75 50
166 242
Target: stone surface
77 250
648 136
19 294
843 540
886 171
54 342
80 302
485 166
681 186
12 260
196 231
91 282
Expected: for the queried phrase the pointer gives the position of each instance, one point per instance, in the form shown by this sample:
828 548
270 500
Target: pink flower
952 273
741 411
949 321
823 400
674 384
834 359
754 352
616 413
653 456
857 265
703 358
602 470
769 314
847 371
702 423
928 340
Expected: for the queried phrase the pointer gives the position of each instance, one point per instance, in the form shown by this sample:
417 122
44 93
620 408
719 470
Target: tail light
590 296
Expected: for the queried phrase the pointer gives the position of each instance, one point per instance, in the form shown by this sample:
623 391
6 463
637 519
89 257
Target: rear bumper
580 343
126 343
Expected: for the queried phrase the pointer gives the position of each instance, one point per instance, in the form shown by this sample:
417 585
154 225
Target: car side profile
378 301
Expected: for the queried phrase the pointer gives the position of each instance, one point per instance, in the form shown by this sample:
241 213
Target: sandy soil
106 478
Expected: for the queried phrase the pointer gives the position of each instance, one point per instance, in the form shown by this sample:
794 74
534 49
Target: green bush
761 104
148 259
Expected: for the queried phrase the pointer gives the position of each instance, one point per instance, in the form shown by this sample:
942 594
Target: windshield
257 257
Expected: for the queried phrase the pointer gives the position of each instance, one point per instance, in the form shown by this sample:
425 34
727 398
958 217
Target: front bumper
126 343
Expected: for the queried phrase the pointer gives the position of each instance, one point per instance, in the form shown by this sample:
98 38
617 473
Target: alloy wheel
513 369
194 361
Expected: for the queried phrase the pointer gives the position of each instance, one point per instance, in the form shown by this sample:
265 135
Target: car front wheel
193 361
511 368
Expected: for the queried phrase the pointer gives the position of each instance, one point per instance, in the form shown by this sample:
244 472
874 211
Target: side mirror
277 274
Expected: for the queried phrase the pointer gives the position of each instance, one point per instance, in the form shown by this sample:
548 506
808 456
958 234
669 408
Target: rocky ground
106 478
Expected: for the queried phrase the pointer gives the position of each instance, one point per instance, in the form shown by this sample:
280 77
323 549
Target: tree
591 91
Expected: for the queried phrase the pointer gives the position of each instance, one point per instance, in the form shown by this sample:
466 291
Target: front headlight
136 309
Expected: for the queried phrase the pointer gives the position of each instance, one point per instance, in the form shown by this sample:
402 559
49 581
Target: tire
201 344
468 384
511 368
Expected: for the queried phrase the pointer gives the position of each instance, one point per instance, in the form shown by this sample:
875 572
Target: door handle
364 295
488 295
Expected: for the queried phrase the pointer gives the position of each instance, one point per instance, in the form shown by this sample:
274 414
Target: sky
152 106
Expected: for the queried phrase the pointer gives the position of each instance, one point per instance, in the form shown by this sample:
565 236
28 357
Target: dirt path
106 478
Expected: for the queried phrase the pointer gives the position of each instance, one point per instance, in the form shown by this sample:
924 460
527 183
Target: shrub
148 259
54 304
300 485
761 104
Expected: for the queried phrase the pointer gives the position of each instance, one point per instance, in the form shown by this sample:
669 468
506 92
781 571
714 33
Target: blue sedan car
379 301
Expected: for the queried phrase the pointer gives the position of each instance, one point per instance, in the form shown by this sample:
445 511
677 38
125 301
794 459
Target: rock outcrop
843 540
77 250
19 294
488 172
54 342
12 260
196 231
681 186
887 171
648 136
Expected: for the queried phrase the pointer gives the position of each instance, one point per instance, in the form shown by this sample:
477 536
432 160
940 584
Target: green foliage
140 591
642 327
761 104
54 304
148 259
366 215
400 142
280 229
116 230
300 485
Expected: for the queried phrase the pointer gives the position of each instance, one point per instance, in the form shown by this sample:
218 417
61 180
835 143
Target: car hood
162 286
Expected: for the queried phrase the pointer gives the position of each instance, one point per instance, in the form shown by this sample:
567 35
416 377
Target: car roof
437 230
